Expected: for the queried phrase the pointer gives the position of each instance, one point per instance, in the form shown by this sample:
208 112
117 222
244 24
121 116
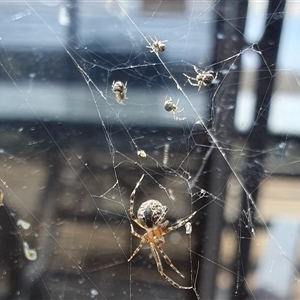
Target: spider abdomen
151 212
208 79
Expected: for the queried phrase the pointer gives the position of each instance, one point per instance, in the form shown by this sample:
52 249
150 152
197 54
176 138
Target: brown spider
150 217
202 78
157 46
171 107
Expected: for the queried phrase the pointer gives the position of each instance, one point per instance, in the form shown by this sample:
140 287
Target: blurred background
70 154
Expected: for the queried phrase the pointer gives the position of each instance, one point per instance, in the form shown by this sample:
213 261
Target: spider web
71 154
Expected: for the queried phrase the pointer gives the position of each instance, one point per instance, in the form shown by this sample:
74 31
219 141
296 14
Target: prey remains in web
151 217
119 89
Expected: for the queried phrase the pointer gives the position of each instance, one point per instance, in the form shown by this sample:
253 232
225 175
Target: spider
202 77
171 107
157 46
151 217
119 89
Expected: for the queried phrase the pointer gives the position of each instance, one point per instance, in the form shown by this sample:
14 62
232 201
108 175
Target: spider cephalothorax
151 217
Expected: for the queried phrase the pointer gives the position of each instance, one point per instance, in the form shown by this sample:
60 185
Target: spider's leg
190 80
138 248
180 224
161 270
150 47
192 83
200 84
174 116
177 118
188 76
168 261
197 70
177 111
162 216
132 197
135 233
